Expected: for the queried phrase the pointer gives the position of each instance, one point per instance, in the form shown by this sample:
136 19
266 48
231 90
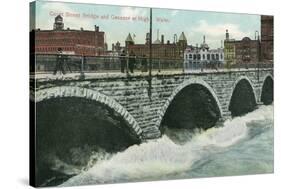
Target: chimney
168 42
147 39
162 39
81 29
98 28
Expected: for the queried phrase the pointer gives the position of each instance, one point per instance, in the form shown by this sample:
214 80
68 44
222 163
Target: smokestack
147 38
162 39
158 34
175 38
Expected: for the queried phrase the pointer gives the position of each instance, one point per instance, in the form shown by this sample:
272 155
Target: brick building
267 38
78 42
245 51
160 49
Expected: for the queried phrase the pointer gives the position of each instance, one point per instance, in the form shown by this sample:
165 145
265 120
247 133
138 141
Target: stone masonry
143 107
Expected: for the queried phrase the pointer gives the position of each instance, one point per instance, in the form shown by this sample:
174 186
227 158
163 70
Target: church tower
182 42
129 41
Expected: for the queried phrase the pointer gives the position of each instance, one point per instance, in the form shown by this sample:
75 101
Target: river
242 145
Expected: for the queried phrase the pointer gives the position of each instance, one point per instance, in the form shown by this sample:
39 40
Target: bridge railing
48 63
73 63
251 66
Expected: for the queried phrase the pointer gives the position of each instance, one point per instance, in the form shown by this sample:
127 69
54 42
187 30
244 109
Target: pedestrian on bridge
144 63
132 61
59 62
123 61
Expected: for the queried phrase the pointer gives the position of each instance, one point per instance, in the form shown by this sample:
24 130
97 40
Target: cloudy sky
117 22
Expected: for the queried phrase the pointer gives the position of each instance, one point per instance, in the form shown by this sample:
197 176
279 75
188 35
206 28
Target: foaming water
246 140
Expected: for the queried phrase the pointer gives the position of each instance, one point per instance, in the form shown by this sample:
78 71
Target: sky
118 21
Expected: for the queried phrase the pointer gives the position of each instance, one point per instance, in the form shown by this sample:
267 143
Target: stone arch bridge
143 104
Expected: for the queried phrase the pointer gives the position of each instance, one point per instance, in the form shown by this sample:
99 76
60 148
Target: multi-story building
229 50
245 51
267 38
203 56
78 42
160 49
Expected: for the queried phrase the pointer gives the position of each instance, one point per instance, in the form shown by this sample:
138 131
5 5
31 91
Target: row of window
198 62
64 41
46 49
157 52
247 50
204 57
51 49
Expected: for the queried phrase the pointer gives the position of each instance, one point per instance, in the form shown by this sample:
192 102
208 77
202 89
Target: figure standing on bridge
123 61
144 64
59 62
132 61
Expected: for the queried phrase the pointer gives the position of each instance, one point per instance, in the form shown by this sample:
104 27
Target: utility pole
150 44
259 52
150 56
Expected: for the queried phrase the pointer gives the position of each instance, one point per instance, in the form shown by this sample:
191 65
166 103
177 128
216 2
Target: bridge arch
180 88
66 91
77 126
250 99
266 95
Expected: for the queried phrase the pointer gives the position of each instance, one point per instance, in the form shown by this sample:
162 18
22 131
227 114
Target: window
203 56
208 56
194 57
190 56
217 56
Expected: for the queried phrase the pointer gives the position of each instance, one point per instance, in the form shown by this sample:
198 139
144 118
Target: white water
245 140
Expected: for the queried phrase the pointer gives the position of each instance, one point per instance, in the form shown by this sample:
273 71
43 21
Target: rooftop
182 37
129 38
